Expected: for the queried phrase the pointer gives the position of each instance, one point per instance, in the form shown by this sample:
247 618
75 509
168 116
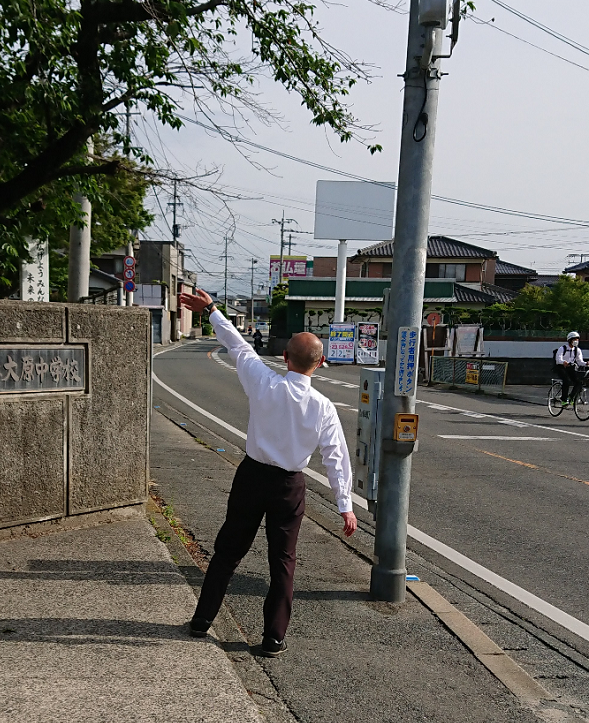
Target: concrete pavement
93 623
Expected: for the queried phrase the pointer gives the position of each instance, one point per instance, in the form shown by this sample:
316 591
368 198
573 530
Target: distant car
263 327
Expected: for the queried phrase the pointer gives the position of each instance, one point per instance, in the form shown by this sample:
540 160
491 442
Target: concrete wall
68 452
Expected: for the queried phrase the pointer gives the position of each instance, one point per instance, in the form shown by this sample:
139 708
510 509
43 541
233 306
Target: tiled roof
438 247
504 268
464 295
502 296
577 267
545 280
442 247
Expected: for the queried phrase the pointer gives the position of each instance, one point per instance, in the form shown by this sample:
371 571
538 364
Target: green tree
69 67
118 206
564 306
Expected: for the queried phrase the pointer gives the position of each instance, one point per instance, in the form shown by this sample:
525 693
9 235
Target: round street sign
434 318
129 273
129 261
130 286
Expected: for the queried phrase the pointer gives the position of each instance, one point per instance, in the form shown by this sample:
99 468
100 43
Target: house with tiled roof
472 268
581 270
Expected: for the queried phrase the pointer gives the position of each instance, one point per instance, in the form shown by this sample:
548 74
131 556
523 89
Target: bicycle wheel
555 399
581 405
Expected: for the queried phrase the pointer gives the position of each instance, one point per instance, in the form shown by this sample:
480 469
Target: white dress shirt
288 418
567 354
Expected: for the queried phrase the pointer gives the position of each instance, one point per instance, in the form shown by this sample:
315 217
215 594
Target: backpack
554 353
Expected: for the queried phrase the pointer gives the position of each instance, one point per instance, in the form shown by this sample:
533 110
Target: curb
504 668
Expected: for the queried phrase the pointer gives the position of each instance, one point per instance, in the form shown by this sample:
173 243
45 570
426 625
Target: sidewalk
94 624
94 629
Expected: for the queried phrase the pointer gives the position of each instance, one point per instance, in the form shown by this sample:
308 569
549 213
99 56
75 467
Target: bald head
304 352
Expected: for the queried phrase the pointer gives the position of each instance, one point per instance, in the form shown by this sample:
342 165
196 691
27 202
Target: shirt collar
299 378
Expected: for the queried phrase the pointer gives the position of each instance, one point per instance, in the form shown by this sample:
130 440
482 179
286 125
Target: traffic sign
129 261
129 273
434 318
130 286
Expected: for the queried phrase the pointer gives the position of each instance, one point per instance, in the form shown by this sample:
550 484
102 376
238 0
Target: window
452 271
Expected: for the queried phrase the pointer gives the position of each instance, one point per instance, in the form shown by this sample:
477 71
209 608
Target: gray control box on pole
405 310
369 434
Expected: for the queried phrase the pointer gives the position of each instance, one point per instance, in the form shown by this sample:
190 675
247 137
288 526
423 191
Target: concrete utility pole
78 283
281 223
340 282
130 249
254 261
388 580
226 257
175 203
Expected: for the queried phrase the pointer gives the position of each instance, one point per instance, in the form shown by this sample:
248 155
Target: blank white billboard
354 210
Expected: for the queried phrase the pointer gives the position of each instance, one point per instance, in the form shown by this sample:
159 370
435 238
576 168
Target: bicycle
580 402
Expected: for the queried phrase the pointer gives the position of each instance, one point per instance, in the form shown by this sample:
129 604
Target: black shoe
199 627
271 648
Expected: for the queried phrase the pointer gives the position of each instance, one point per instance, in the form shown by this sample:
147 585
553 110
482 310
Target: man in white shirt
288 421
568 358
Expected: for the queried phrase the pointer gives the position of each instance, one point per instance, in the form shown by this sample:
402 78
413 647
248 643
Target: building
581 270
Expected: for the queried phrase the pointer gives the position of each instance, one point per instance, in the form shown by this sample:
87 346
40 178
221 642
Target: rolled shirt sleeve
336 459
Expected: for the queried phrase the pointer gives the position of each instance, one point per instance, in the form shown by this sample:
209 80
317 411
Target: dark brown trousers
258 489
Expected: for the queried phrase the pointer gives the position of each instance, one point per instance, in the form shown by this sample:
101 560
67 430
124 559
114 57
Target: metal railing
478 374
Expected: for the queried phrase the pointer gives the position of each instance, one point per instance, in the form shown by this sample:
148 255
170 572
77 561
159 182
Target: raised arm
249 365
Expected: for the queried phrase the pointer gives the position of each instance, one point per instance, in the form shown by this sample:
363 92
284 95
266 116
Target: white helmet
573 335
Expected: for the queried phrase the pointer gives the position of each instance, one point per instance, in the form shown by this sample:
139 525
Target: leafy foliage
564 306
69 67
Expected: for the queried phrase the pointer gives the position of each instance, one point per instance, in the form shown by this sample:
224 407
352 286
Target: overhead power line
553 33
444 199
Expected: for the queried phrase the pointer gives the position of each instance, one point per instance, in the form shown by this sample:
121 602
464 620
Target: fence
478 374
108 297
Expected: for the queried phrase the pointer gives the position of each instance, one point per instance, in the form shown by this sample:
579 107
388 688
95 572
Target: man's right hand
196 302
350 523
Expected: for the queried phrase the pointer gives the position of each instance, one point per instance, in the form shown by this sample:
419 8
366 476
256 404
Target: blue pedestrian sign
407 361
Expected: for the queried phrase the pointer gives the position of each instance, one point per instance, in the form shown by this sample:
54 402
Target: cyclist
568 359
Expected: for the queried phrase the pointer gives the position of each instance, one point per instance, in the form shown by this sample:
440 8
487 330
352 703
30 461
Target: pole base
388 585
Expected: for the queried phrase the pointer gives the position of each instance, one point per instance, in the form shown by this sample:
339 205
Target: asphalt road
516 505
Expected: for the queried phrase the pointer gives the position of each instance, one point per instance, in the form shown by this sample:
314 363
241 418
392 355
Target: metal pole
406 304
79 251
340 281
289 244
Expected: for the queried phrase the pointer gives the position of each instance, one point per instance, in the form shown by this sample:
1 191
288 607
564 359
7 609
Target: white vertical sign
34 275
407 361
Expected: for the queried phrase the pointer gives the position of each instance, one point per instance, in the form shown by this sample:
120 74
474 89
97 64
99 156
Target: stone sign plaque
42 368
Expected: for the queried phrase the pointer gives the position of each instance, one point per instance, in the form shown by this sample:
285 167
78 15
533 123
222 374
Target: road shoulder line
496 660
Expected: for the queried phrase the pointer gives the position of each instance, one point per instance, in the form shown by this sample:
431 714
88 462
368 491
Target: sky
511 134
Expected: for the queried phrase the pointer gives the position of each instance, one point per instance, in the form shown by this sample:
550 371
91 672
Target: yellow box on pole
406 427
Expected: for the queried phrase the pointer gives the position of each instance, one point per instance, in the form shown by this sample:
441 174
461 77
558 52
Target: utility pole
289 244
175 203
226 256
254 261
281 223
130 250
422 77
79 251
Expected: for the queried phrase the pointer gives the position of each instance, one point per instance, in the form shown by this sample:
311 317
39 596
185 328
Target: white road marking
341 404
515 439
532 601
503 420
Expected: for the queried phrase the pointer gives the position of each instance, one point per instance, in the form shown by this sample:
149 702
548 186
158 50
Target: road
499 481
